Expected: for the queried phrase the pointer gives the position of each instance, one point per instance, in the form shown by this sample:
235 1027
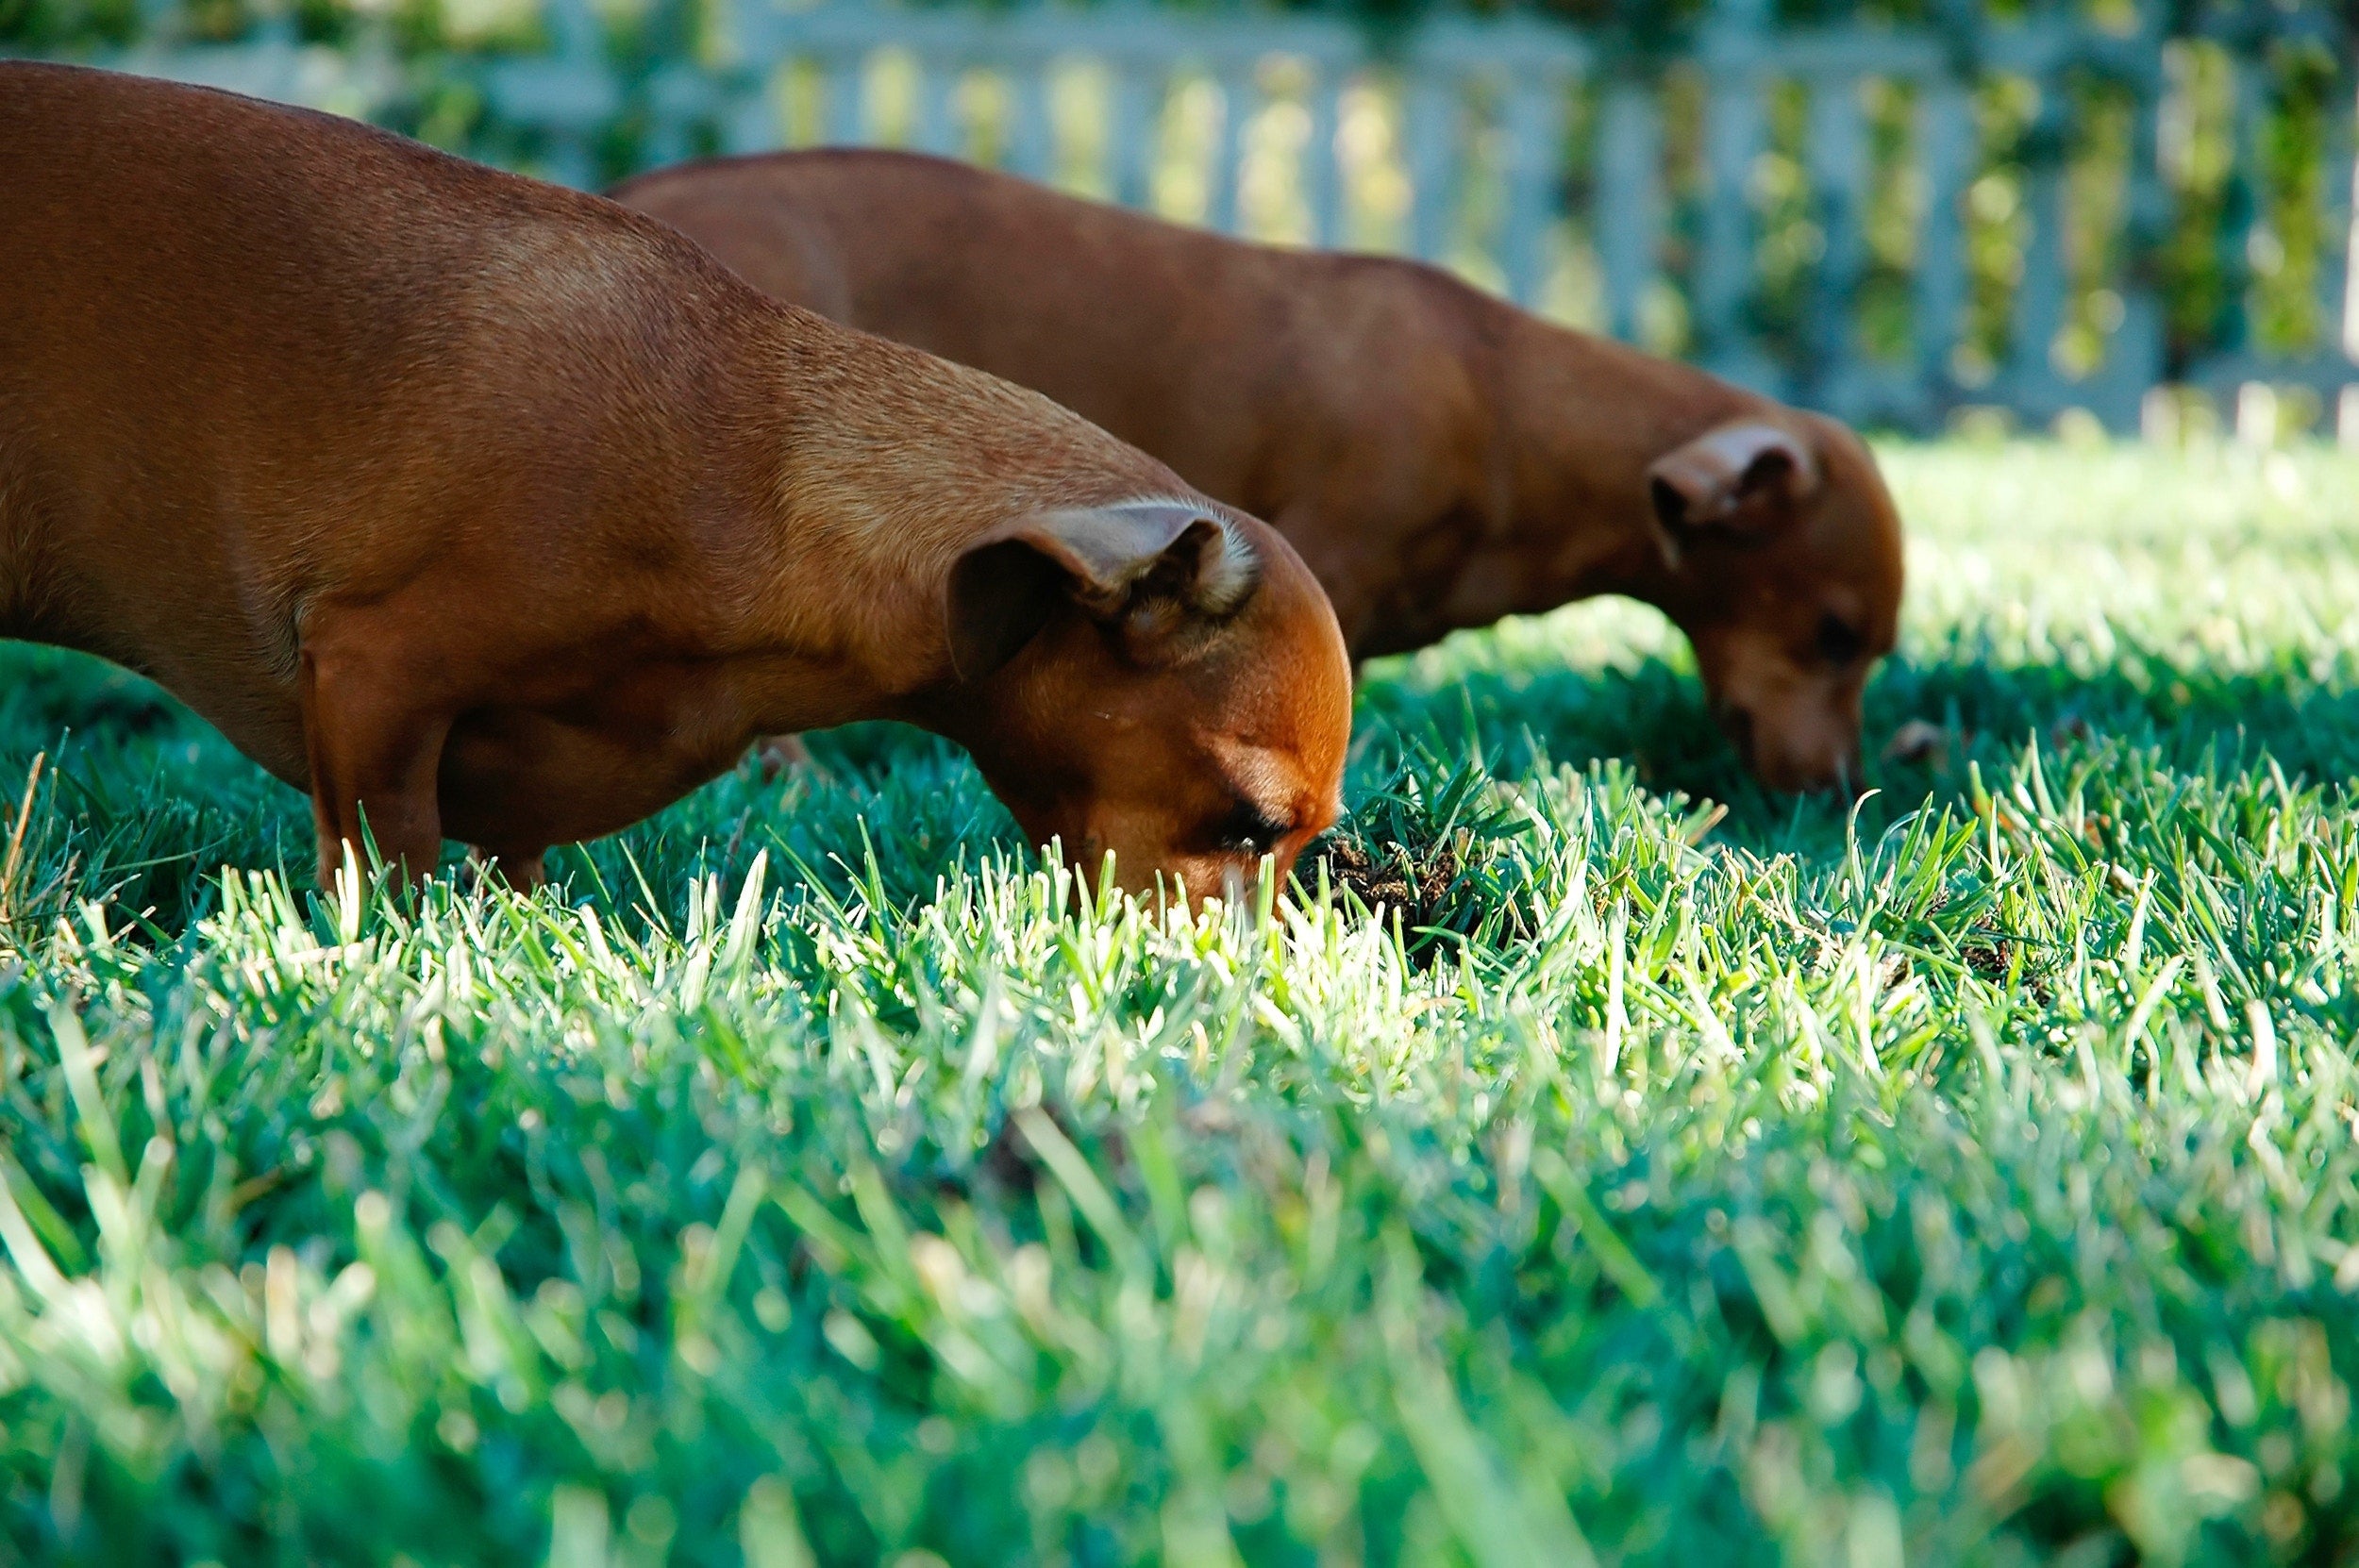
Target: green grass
1965 1180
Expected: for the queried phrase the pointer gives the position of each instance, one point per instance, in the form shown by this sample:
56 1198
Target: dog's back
1243 366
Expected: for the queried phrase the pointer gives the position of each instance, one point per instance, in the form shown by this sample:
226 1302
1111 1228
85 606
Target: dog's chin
1227 882
1810 766
1839 777
1737 724
1139 871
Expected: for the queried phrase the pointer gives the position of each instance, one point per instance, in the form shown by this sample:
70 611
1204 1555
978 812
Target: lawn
1660 1172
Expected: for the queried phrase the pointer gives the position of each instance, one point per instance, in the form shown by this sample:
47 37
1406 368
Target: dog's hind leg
18 540
521 869
375 749
782 754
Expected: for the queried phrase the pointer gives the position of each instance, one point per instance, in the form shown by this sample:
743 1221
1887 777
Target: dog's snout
1824 774
1839 777
1801 753
1848 772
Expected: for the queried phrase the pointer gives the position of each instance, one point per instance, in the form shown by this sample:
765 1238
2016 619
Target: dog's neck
1579 420
872 469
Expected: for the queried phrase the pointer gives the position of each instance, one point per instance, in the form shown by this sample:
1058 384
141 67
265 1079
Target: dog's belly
25 588
254 707
520 779
81 568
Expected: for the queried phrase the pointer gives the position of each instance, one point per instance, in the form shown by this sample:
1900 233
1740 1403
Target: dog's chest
1430 560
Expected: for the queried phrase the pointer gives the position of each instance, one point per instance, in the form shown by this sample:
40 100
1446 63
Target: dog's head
1784 558
1161 679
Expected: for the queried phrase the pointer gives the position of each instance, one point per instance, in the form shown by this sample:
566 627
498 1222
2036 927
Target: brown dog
491 509
1439 457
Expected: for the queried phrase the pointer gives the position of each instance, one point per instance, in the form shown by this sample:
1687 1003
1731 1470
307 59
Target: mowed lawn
1662 1173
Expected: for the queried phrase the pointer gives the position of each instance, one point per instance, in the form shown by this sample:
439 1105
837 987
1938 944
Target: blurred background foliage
2237 244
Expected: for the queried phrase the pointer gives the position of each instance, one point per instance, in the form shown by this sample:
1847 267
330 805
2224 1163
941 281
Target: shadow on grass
1652 717
151 801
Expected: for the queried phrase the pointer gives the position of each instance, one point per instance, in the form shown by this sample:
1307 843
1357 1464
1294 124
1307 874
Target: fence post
2031 375
2339 287
1534 131
750 124
1322 181
1735 135
1630 195
844 116
1945 129
2249 79
933 126
1237 103
2133 352
569 91
1429 126
1837 160
1031 143
1132 133
2342 266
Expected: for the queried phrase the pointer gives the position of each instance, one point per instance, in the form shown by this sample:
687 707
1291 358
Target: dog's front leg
523 869
375 745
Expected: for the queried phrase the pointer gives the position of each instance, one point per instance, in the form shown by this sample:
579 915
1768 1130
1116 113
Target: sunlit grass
1966 1178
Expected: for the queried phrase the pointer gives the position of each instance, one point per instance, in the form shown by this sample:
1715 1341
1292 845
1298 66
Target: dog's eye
1839 642
1250 831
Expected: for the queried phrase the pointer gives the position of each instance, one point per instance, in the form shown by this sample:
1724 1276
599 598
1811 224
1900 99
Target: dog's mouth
1840 775
1736 723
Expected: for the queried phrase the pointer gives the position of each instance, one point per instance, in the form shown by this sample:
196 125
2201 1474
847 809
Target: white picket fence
1481 137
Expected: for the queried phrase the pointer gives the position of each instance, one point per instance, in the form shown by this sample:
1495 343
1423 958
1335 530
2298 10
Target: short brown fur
487 509
1439 457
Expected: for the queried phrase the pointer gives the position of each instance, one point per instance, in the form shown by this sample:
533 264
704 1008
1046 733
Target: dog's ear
1151 568
1742 480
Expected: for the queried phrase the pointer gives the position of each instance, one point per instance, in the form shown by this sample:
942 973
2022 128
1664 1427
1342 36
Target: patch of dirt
1988 959
1992 959
1414 885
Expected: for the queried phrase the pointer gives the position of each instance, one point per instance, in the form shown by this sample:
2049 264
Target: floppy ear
1151 567
1740 479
